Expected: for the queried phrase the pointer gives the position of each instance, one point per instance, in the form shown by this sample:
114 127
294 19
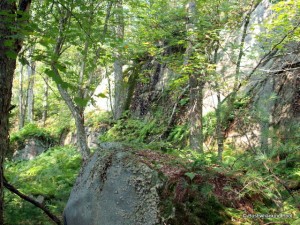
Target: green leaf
81 101
183 101
49 72
55 78
101 95
191 175
8 43
62 68
23 61
11 54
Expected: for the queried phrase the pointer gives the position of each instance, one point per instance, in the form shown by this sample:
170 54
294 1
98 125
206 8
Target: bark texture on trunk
219 130
77 112
7 68
196 85
196 113
118 65
78 115
30 93
45 101
21 100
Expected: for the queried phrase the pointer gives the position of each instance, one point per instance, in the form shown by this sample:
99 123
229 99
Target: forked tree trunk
77 112
79 119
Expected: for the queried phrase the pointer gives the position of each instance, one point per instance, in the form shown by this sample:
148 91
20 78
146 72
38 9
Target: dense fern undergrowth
243 184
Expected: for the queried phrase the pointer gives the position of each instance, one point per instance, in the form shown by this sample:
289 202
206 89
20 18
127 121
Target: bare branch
12 189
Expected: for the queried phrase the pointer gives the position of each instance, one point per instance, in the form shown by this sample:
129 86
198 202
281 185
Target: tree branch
263 60
12 189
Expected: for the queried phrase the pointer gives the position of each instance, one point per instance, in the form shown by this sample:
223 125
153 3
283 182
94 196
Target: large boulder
113 188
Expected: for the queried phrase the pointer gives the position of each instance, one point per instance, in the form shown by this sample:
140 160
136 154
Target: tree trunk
264 136
45 101
81 89
79 119
77 112
7 68
196 85
30 93
196 113
219 130
21 100
119 99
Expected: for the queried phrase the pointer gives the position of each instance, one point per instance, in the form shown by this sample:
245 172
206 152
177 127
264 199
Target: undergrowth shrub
31 130
51 175
179 135
134 131
271 182
96 118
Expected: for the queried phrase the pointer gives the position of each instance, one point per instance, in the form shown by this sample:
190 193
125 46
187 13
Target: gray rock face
33 148
69 137
113 189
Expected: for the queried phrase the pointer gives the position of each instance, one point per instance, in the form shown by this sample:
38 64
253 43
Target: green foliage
31 130
191 175
260 182
179 134
96 119
134 131
155 31
51 175
197 160
187 201
209 124
281 23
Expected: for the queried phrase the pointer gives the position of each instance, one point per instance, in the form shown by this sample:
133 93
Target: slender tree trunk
79 121
45 101
219 130
196 114
21 99
7 68
30 92
81 89
119 99
264 135
196 85
76 111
